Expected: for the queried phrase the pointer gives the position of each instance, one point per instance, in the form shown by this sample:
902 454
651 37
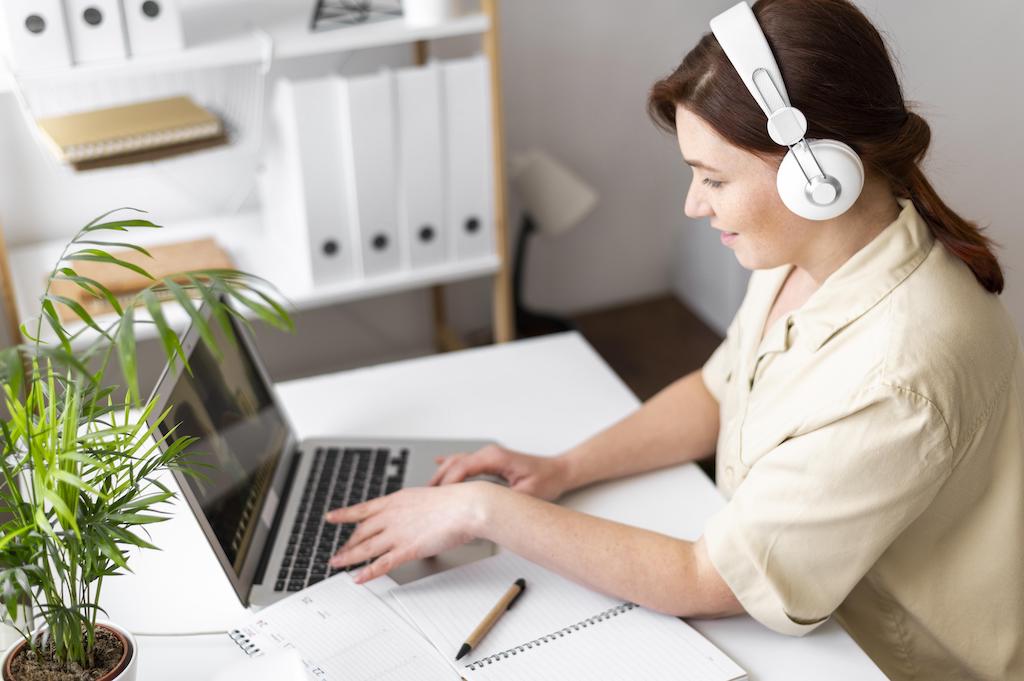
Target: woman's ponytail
962 238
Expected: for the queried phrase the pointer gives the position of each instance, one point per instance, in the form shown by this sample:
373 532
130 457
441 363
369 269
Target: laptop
261 494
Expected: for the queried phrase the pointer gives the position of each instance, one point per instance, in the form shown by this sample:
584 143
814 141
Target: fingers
486 460
360 551
354 514
383 565
364 531
443 464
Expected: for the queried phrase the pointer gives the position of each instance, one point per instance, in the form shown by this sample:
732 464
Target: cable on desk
221 632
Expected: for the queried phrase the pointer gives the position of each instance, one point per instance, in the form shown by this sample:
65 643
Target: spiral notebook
557 630
343 632
133 132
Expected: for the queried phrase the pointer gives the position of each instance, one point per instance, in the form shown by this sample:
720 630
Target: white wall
963 63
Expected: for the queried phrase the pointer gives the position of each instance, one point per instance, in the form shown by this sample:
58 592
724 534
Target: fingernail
360 577
336 562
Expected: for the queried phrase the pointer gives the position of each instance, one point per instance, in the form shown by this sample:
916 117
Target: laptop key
295 586
373 491
279 586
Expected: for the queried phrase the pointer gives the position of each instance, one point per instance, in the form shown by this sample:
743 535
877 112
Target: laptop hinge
268 547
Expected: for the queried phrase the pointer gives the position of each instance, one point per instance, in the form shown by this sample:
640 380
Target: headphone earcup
838 161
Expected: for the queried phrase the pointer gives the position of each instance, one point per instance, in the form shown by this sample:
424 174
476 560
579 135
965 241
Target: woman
865 404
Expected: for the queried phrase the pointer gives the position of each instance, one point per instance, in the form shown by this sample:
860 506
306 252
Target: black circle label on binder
92 16
426 233
35 23
473 225
330 247
151 9
380 242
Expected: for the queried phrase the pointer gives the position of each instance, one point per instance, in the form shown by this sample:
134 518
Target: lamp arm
527 229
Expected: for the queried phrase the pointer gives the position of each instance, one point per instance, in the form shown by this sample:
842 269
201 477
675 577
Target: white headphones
803 184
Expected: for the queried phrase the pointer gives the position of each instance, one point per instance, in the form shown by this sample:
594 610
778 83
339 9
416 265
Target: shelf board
242 237
241 44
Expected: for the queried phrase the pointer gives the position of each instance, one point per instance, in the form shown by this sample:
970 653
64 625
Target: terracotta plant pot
124 670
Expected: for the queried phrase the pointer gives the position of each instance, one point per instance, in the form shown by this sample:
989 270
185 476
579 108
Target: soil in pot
26 666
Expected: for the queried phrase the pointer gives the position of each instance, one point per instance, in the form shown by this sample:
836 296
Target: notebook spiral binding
243 641
583 624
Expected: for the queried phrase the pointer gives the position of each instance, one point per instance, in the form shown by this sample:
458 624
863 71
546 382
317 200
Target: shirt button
728 474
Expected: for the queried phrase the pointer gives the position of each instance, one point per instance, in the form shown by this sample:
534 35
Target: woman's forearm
653 570
677 425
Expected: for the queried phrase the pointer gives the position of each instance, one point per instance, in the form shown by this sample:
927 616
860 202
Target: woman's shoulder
948 339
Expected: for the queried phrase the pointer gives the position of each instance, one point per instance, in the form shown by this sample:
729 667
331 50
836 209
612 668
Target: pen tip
462 651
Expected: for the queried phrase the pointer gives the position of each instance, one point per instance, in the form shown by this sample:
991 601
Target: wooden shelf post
9 299
504 315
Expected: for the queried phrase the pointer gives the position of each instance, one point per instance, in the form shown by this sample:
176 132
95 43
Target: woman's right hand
539 476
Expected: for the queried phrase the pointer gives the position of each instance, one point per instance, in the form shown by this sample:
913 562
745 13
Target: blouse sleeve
717 371
815 513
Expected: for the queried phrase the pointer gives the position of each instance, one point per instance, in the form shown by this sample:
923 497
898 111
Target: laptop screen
241 434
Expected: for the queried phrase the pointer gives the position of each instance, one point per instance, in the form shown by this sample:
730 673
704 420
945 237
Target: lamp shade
555 197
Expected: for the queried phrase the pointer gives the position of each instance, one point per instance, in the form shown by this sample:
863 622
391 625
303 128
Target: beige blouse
872 452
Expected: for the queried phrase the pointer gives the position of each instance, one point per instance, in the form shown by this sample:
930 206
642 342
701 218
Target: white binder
304 187
469 168
36 35
153 26
421 164
97 30
369 150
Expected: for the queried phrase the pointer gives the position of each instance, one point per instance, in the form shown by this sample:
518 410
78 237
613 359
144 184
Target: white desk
540 396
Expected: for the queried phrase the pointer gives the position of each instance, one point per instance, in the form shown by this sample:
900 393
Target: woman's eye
714 184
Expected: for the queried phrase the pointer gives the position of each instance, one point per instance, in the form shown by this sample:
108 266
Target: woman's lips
729 237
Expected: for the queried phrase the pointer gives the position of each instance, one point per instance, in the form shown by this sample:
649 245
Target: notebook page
345 633
635 644
449 605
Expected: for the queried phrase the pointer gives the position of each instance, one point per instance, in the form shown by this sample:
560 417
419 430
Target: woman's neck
838 239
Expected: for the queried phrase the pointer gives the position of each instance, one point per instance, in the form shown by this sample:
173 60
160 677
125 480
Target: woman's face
736 190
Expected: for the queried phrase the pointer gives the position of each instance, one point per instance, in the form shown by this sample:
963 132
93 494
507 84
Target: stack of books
163 261
129 134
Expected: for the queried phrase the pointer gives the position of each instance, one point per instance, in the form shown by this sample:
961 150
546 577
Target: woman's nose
696 205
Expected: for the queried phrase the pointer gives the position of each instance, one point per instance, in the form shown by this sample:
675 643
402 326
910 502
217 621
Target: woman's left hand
411 523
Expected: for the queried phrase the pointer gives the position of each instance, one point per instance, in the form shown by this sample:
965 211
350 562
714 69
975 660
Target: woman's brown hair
838 72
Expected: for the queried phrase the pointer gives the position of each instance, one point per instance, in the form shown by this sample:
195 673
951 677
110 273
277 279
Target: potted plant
79 473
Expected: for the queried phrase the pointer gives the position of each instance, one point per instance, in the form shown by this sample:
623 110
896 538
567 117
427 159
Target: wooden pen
506 602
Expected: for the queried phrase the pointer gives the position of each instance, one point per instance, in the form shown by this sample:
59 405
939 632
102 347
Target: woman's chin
754 261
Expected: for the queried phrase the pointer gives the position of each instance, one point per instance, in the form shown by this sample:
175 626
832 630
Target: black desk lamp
554 201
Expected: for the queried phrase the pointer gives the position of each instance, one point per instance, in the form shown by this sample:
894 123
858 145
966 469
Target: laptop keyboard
338 478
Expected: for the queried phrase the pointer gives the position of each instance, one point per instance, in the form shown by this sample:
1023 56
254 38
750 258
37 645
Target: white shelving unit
244 40
240 235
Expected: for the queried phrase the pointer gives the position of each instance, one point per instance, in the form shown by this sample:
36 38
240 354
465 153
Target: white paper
554 629
343 633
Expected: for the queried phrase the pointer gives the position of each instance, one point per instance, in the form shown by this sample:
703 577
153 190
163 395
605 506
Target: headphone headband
744 44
